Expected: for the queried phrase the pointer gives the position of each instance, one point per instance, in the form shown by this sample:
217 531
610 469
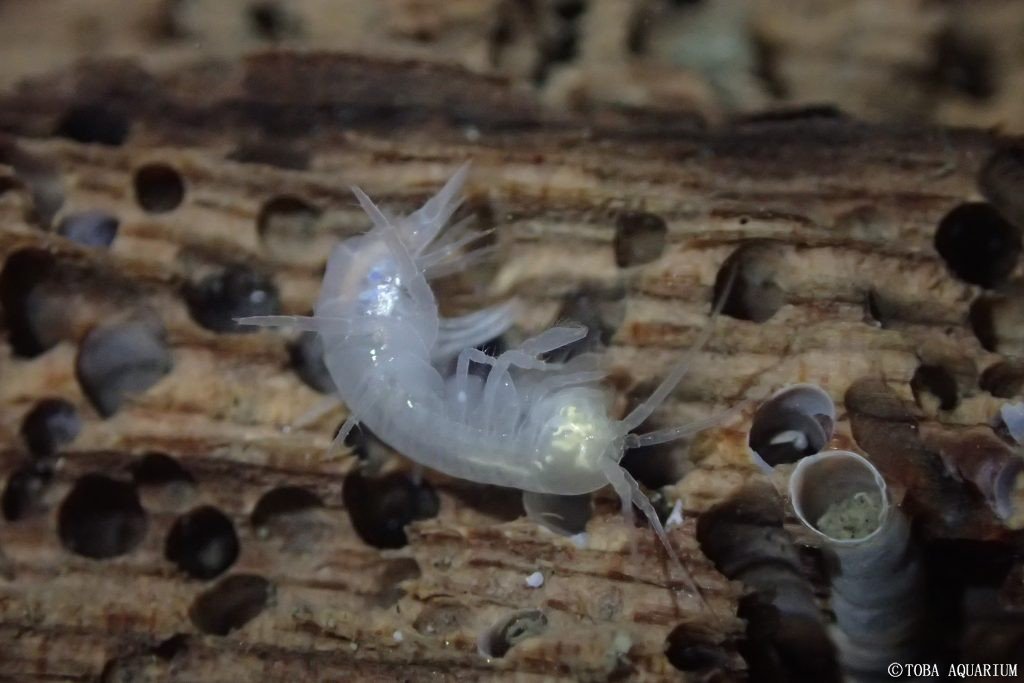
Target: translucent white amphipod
537 426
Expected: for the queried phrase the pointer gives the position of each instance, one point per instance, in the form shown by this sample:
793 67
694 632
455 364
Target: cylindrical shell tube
877 586
795 422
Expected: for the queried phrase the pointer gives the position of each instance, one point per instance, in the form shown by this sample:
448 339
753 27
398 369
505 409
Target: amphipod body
526 423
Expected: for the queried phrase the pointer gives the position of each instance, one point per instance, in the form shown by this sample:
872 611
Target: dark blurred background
950 62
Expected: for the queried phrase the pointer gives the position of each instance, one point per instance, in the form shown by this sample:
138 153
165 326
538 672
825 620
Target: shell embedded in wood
795 422
877 586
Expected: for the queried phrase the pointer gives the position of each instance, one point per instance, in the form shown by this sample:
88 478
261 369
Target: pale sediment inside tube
851 518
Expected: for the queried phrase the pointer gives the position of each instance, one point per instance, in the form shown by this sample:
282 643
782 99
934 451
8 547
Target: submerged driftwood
162 524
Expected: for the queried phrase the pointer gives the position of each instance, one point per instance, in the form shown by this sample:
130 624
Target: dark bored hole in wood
202 543
746 282
235 291
24 491
95 122
511 631
380 508
159 188
978 245
230 604
101 518
640 238
51 424
935 383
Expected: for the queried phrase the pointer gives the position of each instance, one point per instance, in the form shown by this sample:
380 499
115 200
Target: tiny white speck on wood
676 517
579 540
397 635
535 580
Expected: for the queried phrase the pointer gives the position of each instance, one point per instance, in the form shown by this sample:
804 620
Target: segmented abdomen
399 394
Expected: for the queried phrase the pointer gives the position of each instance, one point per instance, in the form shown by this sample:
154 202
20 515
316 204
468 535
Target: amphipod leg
565 515
462 383
427 222
568 379
456 334
643 411
467 356
682 431
298 322
415 283
630 494
526 357
456 238
339 440
367 402
552 339
500 375
463 262
319 409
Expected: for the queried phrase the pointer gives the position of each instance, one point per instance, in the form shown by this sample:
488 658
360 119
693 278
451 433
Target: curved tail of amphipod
877 588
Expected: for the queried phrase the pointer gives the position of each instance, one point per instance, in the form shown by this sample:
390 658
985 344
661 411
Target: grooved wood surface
833 219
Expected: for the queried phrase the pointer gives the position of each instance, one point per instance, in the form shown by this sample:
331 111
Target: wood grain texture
835 219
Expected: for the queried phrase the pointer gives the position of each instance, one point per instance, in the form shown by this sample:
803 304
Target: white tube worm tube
877 584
